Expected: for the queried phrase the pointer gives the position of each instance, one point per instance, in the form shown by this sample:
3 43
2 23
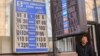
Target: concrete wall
6 45
2 17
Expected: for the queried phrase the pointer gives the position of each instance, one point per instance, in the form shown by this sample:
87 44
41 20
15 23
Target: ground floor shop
68 44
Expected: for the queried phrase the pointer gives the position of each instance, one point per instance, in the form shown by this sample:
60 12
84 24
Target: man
84 49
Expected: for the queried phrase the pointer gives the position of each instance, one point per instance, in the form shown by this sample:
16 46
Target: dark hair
85 35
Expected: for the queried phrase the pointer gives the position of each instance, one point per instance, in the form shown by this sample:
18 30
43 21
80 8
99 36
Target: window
66 44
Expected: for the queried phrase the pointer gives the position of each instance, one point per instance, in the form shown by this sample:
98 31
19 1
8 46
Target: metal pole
53 29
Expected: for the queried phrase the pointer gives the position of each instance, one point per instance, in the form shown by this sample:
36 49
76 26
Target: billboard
68 17
24 26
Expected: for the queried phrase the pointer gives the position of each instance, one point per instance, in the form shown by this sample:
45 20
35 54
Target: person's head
84 39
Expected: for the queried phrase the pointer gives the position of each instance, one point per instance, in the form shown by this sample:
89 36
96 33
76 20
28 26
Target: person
84 48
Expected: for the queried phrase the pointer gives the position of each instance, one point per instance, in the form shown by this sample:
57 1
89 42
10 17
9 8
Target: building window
66 44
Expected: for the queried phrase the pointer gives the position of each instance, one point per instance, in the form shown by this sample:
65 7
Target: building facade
92 16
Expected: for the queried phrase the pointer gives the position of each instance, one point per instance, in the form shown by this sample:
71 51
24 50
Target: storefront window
66 45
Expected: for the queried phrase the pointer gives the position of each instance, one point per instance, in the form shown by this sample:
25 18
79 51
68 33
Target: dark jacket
84 50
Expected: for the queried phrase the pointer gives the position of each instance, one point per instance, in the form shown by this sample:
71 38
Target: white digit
19 3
